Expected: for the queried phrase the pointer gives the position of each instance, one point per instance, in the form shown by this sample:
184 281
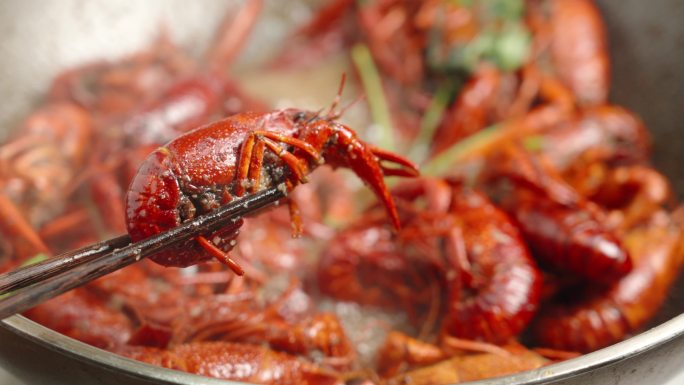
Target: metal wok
38 39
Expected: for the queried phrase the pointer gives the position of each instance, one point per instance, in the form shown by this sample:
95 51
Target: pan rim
629 348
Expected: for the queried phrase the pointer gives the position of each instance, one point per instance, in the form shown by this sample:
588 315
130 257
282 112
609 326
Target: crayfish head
301 117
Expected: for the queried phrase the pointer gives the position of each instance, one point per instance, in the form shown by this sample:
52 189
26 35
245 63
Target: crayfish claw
406 169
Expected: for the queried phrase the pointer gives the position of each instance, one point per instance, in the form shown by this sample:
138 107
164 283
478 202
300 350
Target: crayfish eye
299 116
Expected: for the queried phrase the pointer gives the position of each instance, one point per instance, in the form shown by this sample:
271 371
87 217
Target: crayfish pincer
205 168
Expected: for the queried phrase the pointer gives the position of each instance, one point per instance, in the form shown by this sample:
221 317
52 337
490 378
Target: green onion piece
372 84
503 39
506 9
464 3
478 49
445 161
512 47
431 119
534 143
40 257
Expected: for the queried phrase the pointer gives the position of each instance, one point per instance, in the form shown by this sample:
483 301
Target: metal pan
38 39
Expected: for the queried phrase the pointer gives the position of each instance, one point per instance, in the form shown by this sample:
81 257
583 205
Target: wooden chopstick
29 275
31 285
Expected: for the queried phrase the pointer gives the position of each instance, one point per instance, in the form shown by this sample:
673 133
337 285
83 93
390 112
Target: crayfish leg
456 346
457 256
17 228
251 159
297 143
244 164
250 165
295 218
295 213
256 165
220 255
290 160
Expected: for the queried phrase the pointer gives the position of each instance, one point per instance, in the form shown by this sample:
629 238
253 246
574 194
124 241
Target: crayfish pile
536 231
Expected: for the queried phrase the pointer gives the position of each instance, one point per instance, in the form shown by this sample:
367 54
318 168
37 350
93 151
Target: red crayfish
237 362
564 230
603 316
205 168
473 250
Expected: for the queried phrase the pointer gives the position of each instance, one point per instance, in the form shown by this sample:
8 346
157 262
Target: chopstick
29 275
28 286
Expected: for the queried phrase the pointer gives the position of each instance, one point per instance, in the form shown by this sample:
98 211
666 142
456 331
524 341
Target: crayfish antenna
331 115
351 104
